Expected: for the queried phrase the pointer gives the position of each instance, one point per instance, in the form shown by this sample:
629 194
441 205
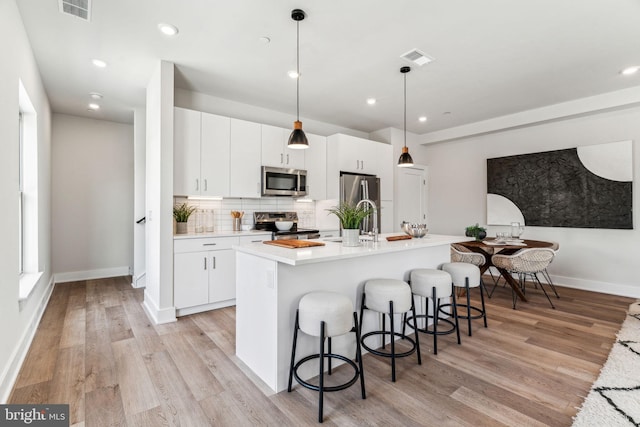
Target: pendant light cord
298 70
405 109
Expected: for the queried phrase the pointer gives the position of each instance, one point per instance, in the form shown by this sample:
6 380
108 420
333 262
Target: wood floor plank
67 385
96 350
137 391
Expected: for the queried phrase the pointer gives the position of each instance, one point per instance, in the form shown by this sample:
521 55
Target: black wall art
556 189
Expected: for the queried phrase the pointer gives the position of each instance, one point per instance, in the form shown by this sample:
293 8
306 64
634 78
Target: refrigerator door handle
364 185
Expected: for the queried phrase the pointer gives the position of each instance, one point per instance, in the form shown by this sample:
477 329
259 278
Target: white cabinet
245 159
201 154
275 151
356 155
186 152
204 274
214 155
316 165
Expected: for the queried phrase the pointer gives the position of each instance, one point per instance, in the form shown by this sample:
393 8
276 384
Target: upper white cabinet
201 154
275 151
186 152
357 155
214 155
316 165
245 159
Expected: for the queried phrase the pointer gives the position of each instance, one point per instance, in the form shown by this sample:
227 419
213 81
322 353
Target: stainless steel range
267 221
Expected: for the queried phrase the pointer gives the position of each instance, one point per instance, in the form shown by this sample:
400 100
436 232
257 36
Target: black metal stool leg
329 361
466 285
321 375
416 334
293 351
384 341
484 311
455 311
393 342
436 306
359 355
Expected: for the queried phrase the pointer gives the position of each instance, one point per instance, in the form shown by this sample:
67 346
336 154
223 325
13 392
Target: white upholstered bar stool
326 315
389 297
434 285
467 276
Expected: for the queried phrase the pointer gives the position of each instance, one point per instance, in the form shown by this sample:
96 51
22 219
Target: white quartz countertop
222 234
335 251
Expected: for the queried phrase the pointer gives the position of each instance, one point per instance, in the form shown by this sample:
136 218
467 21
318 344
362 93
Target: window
28 266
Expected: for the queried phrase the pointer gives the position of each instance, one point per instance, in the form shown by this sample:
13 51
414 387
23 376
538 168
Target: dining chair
554 247
460 253
526 263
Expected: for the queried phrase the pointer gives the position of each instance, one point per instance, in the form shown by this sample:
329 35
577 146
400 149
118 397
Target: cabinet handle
281 158
287 159
357 164
205 263
258 187
329 235
209 244
214 262
256 241
197 184
205 185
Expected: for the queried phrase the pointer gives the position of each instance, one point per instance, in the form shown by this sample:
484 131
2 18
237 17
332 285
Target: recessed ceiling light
93 107
293 74
422 118
95 95
371 101
630 70
168 29
99 63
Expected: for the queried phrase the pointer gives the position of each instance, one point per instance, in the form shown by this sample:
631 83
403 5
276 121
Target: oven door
283 182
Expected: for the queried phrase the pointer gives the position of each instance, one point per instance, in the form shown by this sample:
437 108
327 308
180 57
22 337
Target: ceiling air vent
416 57
77 8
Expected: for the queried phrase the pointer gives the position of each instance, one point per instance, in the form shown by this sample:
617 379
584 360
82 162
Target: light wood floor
96 350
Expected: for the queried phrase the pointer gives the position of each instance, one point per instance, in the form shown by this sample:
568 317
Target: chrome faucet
374 231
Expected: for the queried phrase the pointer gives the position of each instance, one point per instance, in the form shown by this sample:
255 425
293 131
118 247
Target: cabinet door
186 152
293 158
190 279
272 153
245 159
316 166
222 275
214 155
351 150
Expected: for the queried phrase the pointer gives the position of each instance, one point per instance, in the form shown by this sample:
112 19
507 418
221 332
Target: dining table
491 246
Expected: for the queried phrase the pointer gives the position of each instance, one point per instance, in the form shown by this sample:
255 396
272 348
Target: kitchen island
271 280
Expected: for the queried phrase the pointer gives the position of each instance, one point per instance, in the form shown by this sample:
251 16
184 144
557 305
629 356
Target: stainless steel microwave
284 182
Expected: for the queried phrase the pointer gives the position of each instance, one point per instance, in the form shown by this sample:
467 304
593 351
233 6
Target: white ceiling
492 57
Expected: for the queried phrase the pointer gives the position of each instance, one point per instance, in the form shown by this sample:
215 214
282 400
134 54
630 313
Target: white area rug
614 399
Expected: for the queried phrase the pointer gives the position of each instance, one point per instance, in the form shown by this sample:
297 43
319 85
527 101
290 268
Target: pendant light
298 139
405 160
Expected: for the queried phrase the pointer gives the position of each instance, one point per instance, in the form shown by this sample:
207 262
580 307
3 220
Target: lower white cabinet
204 274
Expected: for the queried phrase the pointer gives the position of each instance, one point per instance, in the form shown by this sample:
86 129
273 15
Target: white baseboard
101 273
10 375
632 291
139 281
158 316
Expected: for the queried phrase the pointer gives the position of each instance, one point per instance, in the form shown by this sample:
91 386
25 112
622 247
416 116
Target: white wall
597 259
18 321
158 293
92 209
139 158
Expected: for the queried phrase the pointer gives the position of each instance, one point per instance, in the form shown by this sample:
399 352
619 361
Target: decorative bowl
415 230
284 225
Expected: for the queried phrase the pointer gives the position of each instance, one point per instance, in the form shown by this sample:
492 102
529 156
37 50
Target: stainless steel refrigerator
354 188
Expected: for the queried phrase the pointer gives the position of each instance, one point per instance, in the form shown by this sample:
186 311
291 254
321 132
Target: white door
411 201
